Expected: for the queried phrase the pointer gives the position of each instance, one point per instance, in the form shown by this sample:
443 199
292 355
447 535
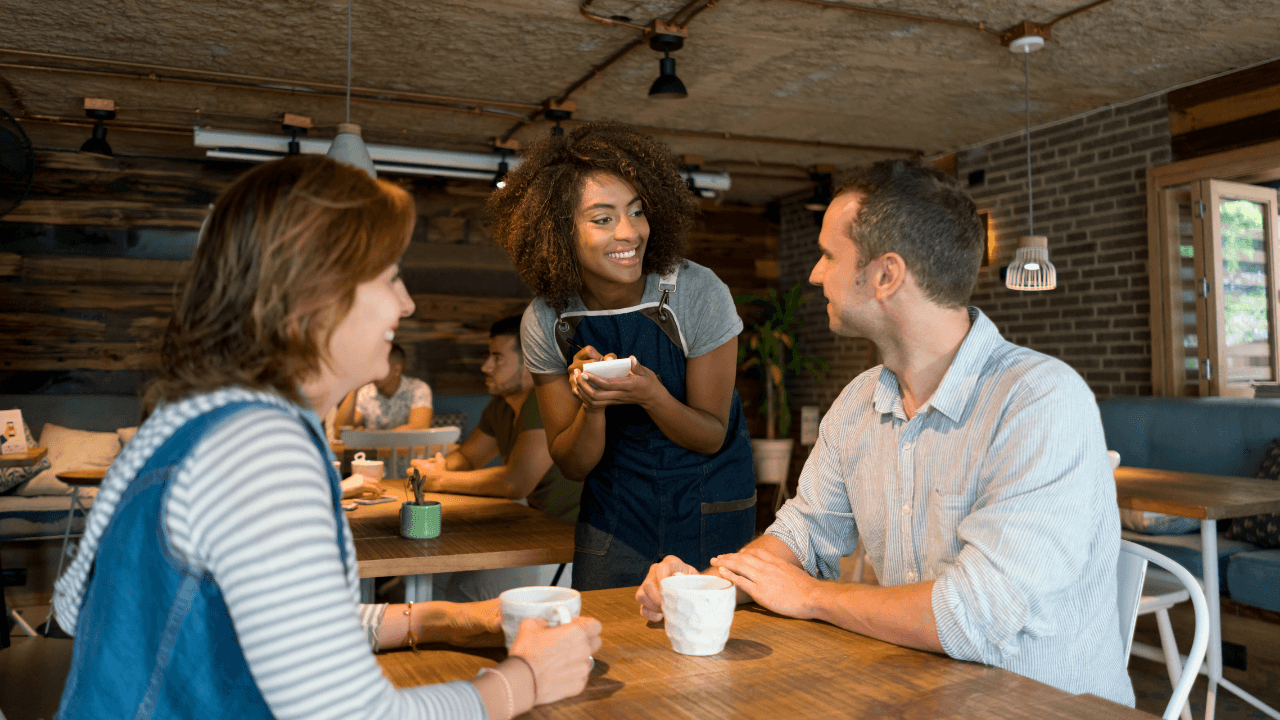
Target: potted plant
769 345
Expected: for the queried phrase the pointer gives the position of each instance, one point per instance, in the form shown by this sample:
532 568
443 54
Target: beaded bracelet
408 615
511 700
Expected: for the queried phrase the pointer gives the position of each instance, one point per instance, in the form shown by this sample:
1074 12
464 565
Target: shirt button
906 509
906 446
911 575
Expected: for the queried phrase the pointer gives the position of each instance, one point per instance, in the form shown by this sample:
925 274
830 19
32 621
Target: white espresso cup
371 469
698 612
556 605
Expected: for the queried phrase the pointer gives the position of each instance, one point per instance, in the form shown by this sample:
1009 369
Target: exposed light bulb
1032 266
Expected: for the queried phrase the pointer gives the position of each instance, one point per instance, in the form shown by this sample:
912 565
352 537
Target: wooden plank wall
69 313
1231 111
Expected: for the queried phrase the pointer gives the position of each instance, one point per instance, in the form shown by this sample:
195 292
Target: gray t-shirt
702 305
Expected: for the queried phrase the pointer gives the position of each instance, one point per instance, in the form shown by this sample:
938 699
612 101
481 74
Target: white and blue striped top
252 506
999 490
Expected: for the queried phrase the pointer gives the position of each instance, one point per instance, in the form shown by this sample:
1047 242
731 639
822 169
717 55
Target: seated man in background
511 427
396 402
974 471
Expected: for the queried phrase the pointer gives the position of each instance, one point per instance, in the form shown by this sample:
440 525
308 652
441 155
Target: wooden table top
1193 495
23 459
87 477
476 533
772 668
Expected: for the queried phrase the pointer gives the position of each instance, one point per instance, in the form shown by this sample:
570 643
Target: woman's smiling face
610 229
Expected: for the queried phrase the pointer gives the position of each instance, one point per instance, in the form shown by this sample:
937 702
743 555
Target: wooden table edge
27 458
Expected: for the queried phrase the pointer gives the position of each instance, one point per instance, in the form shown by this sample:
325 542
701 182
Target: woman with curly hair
596 222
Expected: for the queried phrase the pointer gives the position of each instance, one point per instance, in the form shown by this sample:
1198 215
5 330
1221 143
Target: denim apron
154 638
648 497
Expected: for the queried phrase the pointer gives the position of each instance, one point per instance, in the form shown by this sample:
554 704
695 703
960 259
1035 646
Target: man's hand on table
431 469
772 582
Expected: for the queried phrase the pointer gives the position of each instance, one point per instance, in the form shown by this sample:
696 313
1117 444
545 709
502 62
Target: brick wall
1089 178
1090 199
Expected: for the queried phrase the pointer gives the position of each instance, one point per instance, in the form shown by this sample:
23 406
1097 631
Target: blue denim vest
154 638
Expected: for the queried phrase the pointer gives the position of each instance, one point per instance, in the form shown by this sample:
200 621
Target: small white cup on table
697 612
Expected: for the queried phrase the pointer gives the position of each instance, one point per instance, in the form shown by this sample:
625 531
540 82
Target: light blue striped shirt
999 490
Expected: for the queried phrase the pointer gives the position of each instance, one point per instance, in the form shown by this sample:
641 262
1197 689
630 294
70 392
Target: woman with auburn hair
596 222
217 574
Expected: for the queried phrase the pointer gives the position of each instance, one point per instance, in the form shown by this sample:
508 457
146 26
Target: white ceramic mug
556 605
371 469
698 612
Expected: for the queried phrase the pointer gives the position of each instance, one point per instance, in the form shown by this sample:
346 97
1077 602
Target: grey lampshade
348 147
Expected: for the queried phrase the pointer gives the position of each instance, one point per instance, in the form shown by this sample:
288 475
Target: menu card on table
13 438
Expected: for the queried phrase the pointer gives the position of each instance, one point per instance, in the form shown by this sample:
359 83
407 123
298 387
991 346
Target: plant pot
773 460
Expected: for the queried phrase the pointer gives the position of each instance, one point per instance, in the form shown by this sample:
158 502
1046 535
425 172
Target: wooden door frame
1254 164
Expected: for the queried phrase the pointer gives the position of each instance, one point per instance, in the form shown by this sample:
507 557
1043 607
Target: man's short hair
925 216
508 326
396 356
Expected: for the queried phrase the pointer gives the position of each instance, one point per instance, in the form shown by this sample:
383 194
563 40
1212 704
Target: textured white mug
556 605
698 612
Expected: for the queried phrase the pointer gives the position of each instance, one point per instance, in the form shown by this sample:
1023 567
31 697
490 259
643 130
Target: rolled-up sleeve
817 525
1027 537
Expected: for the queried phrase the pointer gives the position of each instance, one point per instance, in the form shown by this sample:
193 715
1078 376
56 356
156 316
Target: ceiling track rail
171 73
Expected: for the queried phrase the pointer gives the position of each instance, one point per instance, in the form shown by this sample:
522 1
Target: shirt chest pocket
943 516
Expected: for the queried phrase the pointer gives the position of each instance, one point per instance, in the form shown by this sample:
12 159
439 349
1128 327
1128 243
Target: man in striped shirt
973 470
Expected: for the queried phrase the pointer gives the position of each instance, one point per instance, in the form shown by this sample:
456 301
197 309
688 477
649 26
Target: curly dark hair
533 214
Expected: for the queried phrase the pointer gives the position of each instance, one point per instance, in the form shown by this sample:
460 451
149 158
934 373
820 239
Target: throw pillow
1261 530
70 449
1154 523
12 477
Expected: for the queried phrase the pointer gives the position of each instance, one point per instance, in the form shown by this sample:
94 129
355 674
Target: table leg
1209 556
66 538
367 590
417 588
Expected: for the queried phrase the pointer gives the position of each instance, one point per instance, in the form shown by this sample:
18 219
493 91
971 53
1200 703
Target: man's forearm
487 482
902 615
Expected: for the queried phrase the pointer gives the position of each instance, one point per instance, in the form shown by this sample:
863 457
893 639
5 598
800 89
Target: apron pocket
591 540
726 527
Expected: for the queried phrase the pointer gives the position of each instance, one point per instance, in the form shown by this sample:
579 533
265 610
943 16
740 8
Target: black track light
97 143
821 197
499 178
667 86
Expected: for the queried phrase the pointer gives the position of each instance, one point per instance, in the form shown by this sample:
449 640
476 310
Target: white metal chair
1131 575
432 441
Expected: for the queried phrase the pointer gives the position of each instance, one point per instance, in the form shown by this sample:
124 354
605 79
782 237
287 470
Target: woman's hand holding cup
560 657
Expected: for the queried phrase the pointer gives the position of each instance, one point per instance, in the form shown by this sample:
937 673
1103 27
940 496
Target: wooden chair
432 441
1131 571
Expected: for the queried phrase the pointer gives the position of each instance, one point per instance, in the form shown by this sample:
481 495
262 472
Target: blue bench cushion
1216 436
1185 550
1255 579
1262 530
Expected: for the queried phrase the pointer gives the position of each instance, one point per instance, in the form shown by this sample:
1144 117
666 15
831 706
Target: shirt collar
953 393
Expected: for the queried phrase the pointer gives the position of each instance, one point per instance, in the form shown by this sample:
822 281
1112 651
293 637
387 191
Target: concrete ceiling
822 84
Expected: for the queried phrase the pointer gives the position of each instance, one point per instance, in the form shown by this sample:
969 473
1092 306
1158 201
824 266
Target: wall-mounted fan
17 163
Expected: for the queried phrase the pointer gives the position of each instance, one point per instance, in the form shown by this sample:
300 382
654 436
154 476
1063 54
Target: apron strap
567 327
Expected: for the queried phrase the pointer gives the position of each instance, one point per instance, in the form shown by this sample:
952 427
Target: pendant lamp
348 146
1031 269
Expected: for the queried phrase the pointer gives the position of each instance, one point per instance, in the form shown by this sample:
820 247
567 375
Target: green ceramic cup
420 522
